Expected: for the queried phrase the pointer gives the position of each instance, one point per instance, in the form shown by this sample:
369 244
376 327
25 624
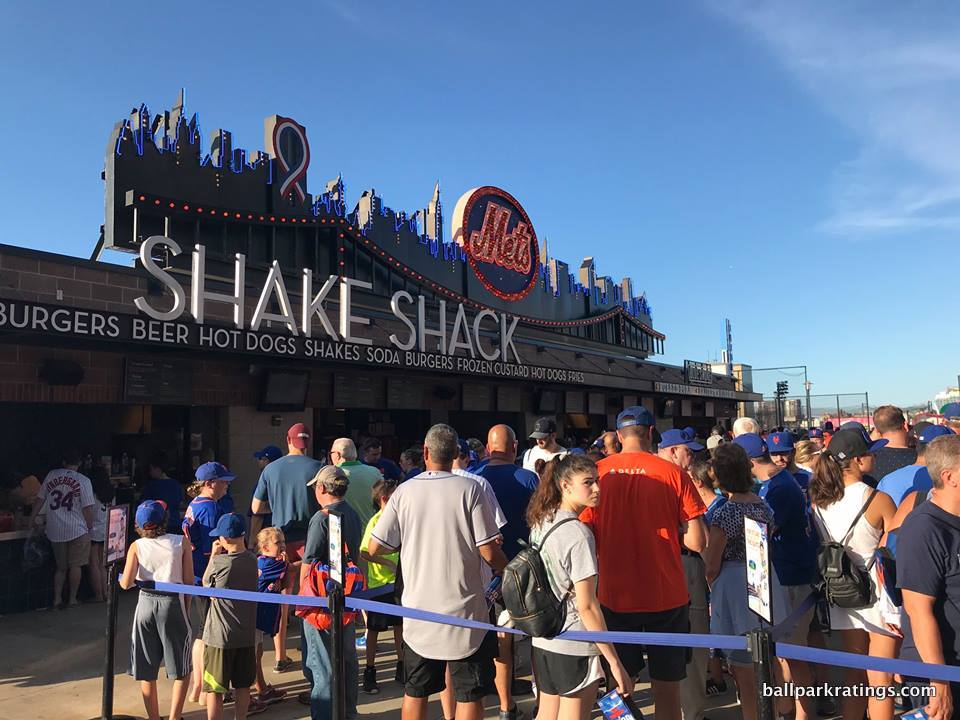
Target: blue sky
792 166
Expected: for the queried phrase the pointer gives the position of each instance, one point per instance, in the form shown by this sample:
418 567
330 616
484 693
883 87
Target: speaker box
444 392
61 372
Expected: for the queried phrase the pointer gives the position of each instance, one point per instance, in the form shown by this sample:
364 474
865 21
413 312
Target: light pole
806 383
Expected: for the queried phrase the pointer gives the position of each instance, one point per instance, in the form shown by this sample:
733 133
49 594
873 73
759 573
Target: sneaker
826 707
714 688
515 714
271 696
282 665
256 707
399 675
370 681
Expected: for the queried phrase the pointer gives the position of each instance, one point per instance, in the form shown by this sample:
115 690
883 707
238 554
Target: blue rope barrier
944 673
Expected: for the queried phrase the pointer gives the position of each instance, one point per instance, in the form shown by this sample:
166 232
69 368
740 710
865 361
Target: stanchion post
114 554
338 689
106 705
762 648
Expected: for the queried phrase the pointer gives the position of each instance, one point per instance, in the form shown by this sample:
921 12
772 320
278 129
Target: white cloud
890 73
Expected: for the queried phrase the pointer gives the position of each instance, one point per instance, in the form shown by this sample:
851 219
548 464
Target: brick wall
71 281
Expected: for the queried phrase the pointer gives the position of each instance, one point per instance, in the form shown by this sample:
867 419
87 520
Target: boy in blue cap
229 634
212 480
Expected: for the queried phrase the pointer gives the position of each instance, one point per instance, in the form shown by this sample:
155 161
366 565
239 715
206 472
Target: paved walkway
51 665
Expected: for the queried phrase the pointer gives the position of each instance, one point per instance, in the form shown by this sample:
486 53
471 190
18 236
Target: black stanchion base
115 717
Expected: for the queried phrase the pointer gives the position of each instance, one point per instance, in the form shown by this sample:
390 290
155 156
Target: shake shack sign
440 338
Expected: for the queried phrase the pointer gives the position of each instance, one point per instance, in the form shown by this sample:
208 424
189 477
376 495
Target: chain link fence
837 408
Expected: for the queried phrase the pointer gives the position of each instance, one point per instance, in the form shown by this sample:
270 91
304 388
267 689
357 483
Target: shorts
796 594
472 676
200 606
160 636
223 667
378 622
564 675
73 553
668 664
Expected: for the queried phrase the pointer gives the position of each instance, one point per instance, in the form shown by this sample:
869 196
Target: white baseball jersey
66 493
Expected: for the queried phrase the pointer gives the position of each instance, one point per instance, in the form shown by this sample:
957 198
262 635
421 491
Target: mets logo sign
499 241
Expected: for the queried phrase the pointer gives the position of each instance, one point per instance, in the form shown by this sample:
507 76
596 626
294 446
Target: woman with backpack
568 672
851 515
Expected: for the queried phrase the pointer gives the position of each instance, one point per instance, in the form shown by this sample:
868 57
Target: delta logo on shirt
64 493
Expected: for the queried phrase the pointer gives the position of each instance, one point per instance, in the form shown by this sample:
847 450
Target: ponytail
826 484
549 493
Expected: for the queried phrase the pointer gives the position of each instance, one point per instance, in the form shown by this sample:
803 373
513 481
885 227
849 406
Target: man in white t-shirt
446 519
68 500
545 433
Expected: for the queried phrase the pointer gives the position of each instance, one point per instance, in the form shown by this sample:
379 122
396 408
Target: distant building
951 394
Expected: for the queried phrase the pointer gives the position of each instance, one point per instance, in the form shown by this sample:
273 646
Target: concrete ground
52 662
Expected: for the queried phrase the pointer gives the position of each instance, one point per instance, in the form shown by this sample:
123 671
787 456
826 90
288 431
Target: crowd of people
641 532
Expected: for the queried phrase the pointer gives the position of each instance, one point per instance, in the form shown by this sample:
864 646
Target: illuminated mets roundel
499 240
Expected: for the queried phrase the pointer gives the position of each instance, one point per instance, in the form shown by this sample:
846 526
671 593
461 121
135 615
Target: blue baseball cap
752 443
951 410
780 442
635 415
815 433
151 513
214 471
270 452
932 432
230 525
671 438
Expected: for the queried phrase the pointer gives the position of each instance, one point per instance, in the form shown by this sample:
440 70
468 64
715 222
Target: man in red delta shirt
648 506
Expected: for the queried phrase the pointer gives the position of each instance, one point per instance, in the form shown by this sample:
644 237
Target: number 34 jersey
66 493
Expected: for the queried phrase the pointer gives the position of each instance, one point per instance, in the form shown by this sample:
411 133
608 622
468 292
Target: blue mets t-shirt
793 547
199 519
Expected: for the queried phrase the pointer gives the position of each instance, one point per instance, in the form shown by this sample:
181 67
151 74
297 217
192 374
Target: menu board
157 381
508 399
477 397
596 403
404 394
358 391
574 401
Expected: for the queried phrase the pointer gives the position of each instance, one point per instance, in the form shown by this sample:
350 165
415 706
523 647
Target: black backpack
530 602
842 582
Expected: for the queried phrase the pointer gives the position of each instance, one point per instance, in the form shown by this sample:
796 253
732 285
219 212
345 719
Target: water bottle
492 593
616 707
